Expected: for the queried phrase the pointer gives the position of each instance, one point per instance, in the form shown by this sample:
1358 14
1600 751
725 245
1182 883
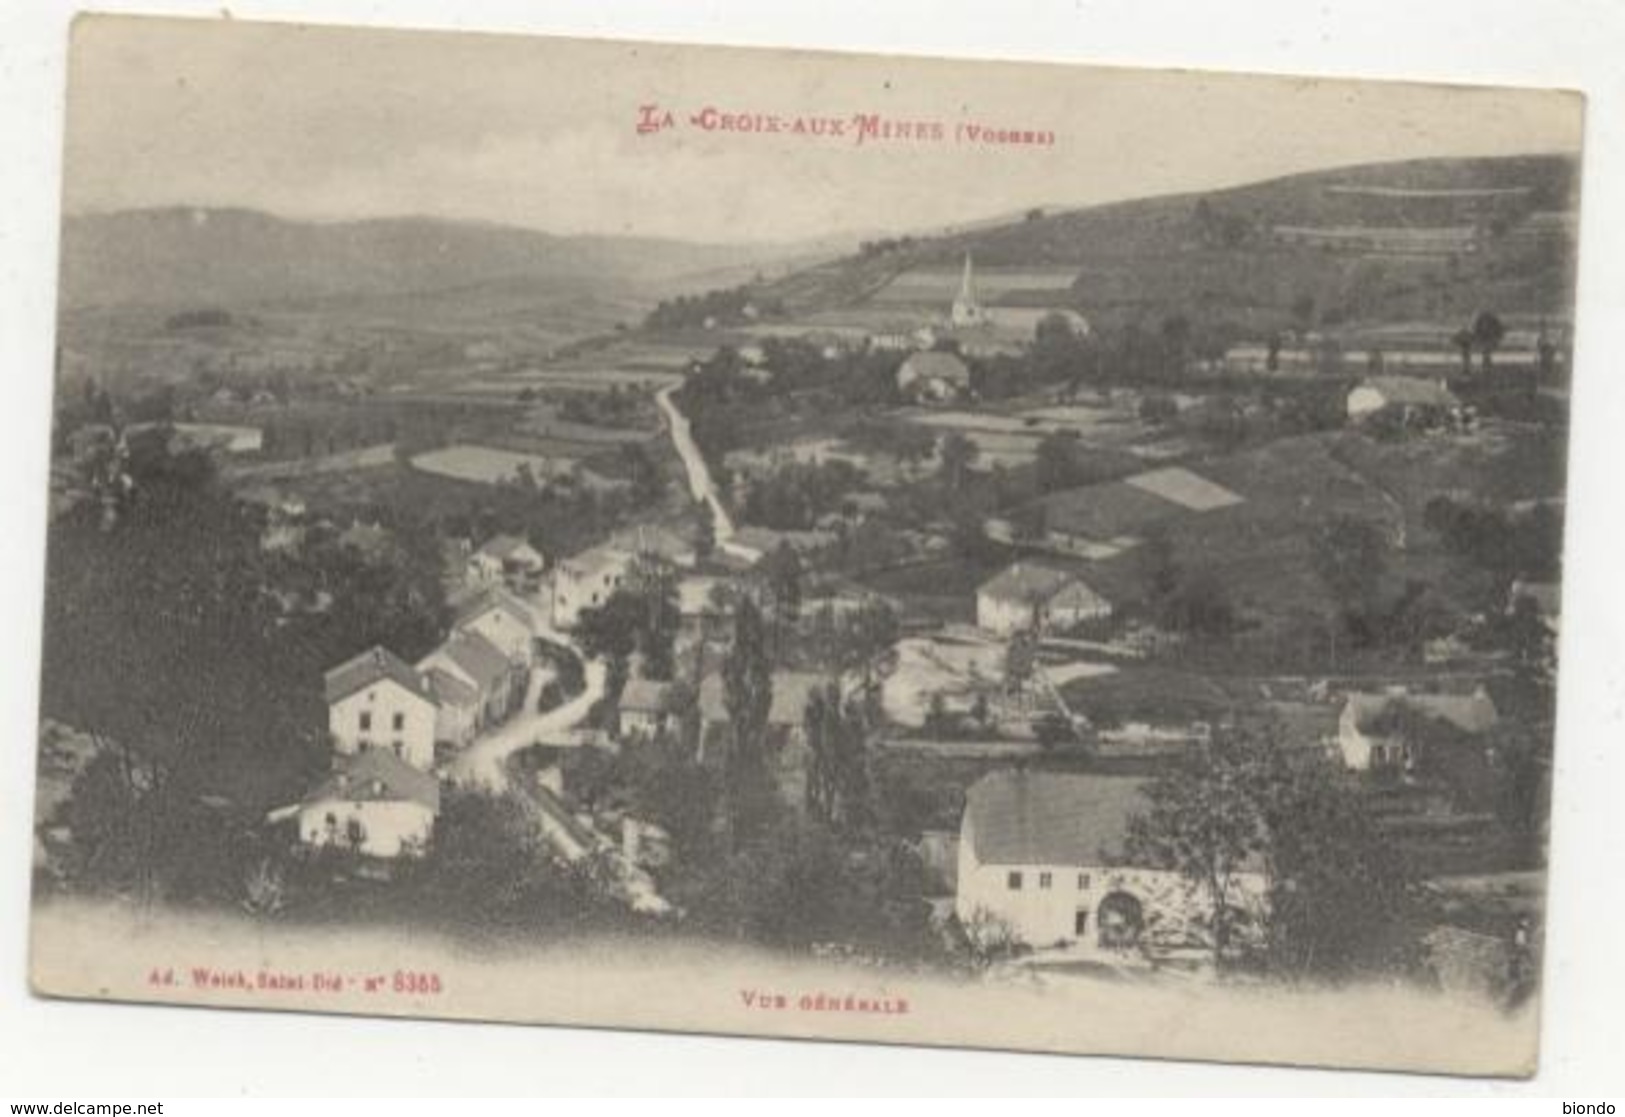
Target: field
937 286
486 466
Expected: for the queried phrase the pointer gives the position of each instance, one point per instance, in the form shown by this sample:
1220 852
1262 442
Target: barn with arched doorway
1043 854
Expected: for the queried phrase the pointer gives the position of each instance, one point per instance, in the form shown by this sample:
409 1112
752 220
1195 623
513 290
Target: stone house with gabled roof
1034 597
376 700
1043 854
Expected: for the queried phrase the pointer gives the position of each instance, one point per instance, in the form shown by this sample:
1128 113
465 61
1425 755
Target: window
1045 880
363 745
1083 882
366 721
1014 881
400 749
1080 922
399 722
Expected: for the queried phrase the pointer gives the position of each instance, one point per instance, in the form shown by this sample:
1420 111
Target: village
949 627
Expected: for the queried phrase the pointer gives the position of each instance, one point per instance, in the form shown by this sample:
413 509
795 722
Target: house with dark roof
1416 399
505 556
376 700
373 803
1030 596
477 663
1043 855
1371 730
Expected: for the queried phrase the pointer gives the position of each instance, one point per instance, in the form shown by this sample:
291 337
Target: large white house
372 803
1369 728
377 701
585 581
1042 853
1032 597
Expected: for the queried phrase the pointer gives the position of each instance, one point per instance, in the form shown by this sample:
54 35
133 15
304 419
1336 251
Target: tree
1056 461
957 453
705 530
1020 661
1464 340
782 572
1205 822
1488 332
865 636
1340 894
747 682
1351 556
1199 603
838 785
648 483
652 582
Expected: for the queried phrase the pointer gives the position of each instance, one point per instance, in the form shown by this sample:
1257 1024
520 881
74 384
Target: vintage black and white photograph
780 543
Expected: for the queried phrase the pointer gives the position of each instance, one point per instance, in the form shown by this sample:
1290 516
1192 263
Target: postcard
793 544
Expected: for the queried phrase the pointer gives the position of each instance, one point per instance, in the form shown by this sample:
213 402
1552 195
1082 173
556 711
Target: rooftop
1021 817
482 660
1027 582
1413 390
376 664
377 775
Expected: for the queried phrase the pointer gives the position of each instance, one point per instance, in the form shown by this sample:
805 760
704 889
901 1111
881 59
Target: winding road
484 764
700 483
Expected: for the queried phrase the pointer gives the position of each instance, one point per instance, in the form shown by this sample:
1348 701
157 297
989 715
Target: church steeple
967 311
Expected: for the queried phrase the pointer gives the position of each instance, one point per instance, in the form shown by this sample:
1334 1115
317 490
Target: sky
330 123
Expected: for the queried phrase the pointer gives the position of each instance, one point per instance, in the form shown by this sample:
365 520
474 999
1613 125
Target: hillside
232 257
1402 241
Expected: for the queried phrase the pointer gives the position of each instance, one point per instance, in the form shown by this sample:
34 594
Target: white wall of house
585 587
505 631
1363 752
455 724
483 568
1004 616
1051 905
385 715
388 828
1365 400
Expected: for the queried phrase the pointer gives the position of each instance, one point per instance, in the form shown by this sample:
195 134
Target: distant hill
235 257
1416 240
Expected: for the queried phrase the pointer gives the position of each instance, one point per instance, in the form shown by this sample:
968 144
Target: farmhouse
374 804
586 581
1031 597
377 701
1042 853
502 619
1414 399
459 712
1369 730
475 662
505 556
933 376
